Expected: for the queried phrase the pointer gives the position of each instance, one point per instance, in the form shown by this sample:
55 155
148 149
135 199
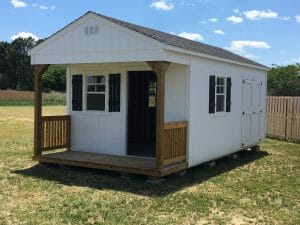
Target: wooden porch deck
128 164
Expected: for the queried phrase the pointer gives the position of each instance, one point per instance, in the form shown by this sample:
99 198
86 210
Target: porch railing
175 142
55 132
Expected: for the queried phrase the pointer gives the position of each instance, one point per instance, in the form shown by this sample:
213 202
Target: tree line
284 80
16 72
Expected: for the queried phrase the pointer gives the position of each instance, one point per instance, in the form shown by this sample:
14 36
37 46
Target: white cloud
237 11
285 18
213 20
242 46
251 56
24 35
191 36
162 5
235 19
189 2
297 18
44 7
47 7
257 15
219 32
18 3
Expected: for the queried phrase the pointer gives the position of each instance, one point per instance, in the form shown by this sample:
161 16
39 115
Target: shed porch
54 132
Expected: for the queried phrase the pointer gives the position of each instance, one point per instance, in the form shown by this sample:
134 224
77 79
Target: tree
16 71
284 80
4 68
54 79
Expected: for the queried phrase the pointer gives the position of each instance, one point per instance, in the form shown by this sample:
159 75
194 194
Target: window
96 93
219 94
220 91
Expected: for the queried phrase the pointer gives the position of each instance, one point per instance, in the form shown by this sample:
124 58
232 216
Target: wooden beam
160 68
38 72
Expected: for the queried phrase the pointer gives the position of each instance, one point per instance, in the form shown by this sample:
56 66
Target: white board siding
176 93
111 43
99 134
215 135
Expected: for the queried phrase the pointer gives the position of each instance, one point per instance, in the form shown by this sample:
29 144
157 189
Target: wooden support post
38 71
160 68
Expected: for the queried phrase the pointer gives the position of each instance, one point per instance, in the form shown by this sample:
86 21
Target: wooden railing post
38 71
160 68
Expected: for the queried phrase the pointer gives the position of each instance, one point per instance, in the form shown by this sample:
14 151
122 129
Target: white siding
215 135
176 93
112 43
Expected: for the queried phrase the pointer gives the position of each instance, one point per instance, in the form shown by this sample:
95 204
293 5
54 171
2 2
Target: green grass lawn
256 188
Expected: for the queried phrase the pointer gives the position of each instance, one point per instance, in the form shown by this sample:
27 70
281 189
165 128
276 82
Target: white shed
144 101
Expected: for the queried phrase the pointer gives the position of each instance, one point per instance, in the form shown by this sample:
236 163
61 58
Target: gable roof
181 42
176 41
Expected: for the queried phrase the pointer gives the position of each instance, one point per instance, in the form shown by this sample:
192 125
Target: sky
266 31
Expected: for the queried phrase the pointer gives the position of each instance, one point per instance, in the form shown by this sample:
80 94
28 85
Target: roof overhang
206 56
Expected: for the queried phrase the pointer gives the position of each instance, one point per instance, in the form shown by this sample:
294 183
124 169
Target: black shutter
212 84
114 92
228 94
77 92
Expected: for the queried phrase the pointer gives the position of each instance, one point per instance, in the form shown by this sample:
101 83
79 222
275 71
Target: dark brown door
141 113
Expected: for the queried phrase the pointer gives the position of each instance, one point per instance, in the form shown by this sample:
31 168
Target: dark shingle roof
184 43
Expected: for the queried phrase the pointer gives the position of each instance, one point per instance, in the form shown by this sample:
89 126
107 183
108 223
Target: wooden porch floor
129 164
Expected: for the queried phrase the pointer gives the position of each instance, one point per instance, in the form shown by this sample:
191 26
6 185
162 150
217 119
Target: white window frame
218 94
106 92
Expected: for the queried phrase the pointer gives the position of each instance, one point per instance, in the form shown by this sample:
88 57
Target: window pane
220 80
95 102
152 87
100 88
91 88
91 79
220 103
101 79
220 89
152 101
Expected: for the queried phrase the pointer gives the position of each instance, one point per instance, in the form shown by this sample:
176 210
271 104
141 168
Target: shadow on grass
100 179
